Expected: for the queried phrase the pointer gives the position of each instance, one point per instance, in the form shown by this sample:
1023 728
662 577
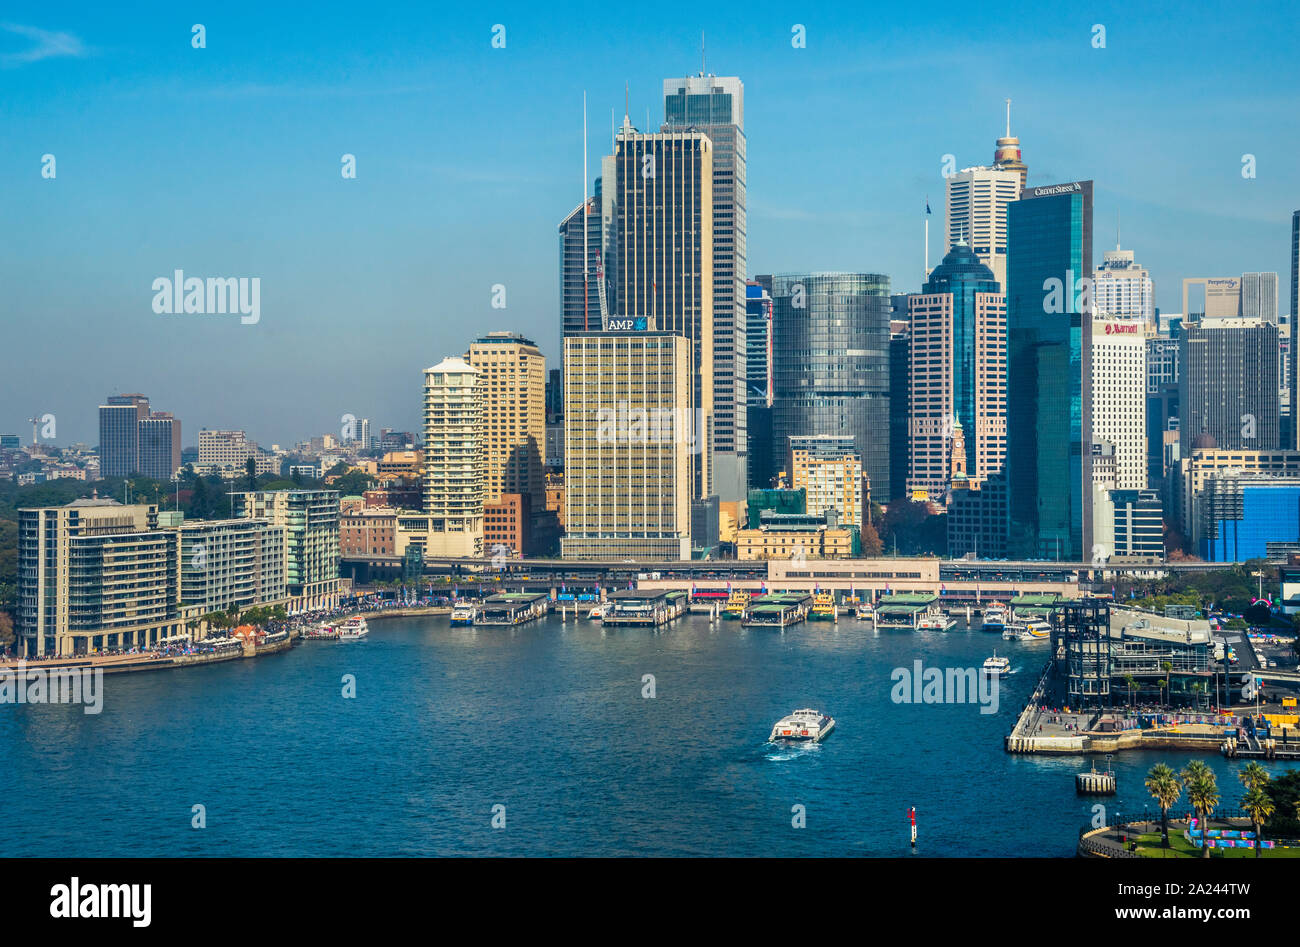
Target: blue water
549 721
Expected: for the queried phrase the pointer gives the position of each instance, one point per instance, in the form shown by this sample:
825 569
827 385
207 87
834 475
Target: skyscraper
1049 244
455 472
1228 384
628 444
513 375
715 105
1295 321
579 290
119 434
958 354
831 365
159 445
663 237
1116 366
758 374
1122 287
976 212
1259 296
134 440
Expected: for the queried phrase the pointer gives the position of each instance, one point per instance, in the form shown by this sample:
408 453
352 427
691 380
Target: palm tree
1252 776
1203 794
1260 806
1167 668
1131 682
1162 782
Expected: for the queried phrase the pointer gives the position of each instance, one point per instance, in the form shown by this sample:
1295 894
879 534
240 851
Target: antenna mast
585 259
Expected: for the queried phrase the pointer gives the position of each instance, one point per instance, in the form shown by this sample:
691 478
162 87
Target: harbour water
549 720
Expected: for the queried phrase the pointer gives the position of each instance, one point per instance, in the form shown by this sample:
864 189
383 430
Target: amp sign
625 324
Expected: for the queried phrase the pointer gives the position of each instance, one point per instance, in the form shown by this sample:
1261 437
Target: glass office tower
715 105
830 361
1049 237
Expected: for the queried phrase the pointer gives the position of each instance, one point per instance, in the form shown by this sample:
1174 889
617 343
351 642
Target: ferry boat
864 612
823 607
935 620
994 619
737 602
462 615
995 666
806 724
353 629
599 612
1028 629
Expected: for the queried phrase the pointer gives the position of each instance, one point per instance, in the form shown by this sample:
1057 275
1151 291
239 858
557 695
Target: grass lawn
1149 847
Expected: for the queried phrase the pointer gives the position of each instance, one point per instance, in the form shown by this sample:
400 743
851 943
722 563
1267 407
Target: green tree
250 473
1260 807
1163 785
1203 794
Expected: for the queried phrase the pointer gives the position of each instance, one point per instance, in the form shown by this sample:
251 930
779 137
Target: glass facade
1049 238
830 344
1243 518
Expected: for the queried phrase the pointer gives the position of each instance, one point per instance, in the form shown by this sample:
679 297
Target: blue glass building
1240 517
1049 237
830 354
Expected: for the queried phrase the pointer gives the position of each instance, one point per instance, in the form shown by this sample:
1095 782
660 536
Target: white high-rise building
976 212
1259 296
1117 365
1123 288
455 468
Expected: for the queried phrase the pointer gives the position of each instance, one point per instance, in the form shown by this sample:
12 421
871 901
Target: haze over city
225 161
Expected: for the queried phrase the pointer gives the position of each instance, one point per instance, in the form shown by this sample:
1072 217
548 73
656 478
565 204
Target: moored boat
737 602
864 612
823 607
994 619
353 629
462 615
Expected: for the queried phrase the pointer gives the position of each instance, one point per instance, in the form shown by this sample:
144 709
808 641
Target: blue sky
225 161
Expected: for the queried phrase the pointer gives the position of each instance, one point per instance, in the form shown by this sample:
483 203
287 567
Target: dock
646 608
903 610
778 610
512 608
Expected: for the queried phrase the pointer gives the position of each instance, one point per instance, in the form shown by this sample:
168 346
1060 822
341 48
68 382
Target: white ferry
995 666
936 620
599 612
352 629
806 724
864 612
1030 629
994 619
462 615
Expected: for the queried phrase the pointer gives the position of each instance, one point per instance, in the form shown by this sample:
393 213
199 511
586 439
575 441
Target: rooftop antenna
1117 230
1008 118
627 108
585 259
702 69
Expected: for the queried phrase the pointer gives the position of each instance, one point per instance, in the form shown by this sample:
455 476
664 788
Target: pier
645 609
903 610
512 608
778 610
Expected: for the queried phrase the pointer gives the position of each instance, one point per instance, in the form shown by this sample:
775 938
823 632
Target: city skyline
389 262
